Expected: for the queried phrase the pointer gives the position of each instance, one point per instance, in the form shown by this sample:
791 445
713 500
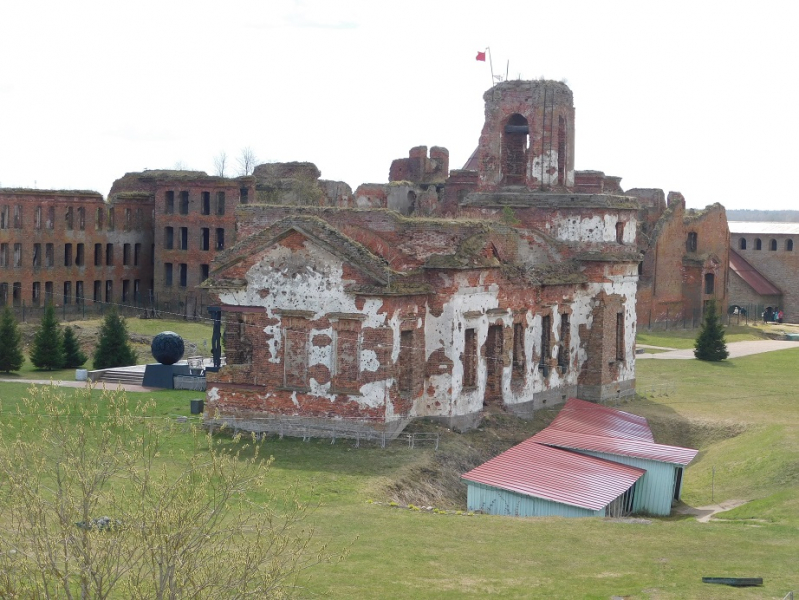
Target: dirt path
703 514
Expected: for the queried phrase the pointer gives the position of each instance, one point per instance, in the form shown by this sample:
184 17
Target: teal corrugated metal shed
524 482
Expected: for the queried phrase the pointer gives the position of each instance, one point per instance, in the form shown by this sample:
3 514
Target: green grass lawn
741 415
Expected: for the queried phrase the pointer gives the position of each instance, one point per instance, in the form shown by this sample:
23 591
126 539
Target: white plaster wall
598 228
310 279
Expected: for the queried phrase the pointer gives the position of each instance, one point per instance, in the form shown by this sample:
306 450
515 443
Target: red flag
481 56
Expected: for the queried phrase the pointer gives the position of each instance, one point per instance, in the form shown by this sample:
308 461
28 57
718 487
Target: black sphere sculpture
167 347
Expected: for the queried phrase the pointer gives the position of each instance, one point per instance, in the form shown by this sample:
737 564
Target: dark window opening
50 217
3 255
742 244
18 216
69 218
206 238
67 255
98 218
758 244
109 254
49 255
136 254
204 272
184 238
546 344
17 255
184 203
169 238
565 343
169 203
709 283
515 142
109 291
470 358
81 218
48 292
619 336
619 232
773 245
37 255
789 245
136 291
98 293
3 294
244 194
206 203
36 293
79 255
79 292
126 254
168 274
220 238
690 243
220 203
125 289
16 293
67 292
4 218
98 255
183 274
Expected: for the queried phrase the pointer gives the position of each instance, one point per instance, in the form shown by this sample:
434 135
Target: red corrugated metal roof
558 475
623 447
579 416
752 276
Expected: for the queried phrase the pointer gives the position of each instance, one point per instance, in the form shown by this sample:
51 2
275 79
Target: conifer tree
113 350
11 357
73 356
48 346
710 344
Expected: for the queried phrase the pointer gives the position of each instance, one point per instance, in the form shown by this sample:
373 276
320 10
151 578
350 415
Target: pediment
235 261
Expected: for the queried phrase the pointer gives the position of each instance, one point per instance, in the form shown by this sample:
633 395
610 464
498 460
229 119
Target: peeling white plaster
369 361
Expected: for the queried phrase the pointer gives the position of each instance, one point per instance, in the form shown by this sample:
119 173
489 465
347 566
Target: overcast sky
700 97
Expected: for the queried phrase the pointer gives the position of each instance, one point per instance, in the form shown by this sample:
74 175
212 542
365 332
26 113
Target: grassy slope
740 414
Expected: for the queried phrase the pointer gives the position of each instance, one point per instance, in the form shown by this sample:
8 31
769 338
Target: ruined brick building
436 294
686 259
511 281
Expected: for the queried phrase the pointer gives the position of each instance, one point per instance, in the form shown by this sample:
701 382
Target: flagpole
491 64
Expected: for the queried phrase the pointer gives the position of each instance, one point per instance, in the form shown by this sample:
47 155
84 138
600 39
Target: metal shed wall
495 501
655 490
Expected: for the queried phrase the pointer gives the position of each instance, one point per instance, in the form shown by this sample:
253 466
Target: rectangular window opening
470 358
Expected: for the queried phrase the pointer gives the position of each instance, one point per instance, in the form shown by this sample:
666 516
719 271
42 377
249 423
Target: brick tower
528 136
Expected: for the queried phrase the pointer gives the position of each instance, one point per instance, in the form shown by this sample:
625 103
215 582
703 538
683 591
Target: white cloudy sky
698 96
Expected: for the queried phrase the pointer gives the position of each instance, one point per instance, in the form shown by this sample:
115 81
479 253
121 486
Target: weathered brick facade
435 295
69 247
686 259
